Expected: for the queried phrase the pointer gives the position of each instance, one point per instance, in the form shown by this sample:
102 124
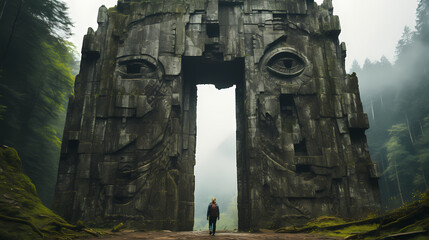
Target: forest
37 68
38 65
395 98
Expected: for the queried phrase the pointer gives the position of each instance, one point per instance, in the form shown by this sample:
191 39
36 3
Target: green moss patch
22 214
325 221
411 221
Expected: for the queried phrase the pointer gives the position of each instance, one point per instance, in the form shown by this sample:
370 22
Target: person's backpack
213 210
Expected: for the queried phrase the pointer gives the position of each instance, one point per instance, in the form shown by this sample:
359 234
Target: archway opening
216 168
217 87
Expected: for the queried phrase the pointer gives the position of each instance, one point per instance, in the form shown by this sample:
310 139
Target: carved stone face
301 148
141 90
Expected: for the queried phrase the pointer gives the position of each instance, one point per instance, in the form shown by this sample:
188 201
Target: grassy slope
22 214
413 217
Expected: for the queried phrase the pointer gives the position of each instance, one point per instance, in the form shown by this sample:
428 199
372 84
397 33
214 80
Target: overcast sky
370 28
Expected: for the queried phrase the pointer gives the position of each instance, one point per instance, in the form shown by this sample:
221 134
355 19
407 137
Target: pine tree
422 22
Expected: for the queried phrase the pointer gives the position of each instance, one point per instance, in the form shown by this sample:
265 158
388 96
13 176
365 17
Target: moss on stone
325 221
411 218
348 231
118 227
22 214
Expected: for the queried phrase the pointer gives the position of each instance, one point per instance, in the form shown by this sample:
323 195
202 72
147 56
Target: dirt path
267 235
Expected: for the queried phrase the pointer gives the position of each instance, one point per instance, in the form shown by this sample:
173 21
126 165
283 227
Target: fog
371 30
216 168
394 94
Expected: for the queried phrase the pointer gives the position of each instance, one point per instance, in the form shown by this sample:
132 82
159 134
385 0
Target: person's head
213 200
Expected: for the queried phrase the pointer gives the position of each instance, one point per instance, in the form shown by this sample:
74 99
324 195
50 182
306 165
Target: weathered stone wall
128 151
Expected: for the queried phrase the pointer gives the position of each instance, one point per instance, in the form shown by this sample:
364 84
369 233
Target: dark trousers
212 224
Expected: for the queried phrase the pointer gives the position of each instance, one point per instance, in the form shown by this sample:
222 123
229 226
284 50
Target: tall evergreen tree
422 23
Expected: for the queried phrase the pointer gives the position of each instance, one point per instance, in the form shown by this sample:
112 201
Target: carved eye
286 64
140 67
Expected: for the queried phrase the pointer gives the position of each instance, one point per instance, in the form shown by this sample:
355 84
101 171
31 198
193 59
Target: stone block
194 46
126 101
331 25
339 172
102 15
84 162
74 135
212 11
351 84
342 125
180 34
85 147
65 182
331 157
327 106
168 36
374 171
358 120
172 65
338 106
102 106
196 18
90 46
351 103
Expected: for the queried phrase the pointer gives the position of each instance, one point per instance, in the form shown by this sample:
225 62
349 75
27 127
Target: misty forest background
38 65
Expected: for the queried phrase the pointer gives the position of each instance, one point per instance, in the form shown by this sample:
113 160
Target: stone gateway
128 150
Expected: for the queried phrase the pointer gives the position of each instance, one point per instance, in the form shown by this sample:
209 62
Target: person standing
212 216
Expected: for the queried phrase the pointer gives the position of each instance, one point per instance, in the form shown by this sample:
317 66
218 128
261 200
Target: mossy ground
412 217
22 214
348 231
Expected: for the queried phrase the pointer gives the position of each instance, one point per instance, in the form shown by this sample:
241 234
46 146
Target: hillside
22 214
